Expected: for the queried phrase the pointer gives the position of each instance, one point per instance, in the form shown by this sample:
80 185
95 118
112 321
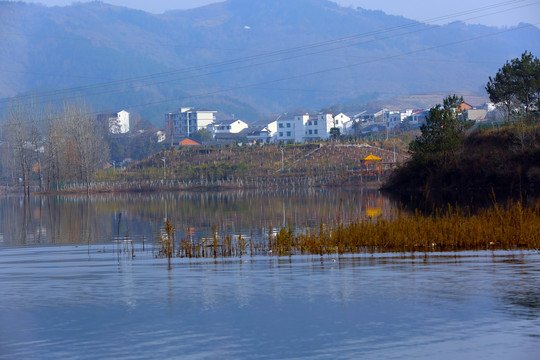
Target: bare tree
17 136
85 144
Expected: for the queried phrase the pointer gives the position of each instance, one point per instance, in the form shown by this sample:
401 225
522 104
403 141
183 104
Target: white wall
120 123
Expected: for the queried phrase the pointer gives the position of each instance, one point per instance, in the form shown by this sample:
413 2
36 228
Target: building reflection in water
47 220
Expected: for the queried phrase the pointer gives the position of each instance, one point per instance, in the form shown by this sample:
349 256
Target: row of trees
51 146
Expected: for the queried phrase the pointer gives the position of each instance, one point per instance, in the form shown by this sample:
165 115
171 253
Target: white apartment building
291 129
117 123
318 127
187 121
301 128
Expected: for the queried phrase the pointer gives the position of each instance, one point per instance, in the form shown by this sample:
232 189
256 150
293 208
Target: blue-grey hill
85 46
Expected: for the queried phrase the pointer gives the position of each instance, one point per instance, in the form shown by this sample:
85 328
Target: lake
73 288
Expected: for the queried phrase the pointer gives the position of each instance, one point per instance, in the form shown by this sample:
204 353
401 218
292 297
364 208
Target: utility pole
282 163
164 164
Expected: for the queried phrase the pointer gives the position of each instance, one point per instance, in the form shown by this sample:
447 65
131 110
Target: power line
264 55
244 67
329 69
340 67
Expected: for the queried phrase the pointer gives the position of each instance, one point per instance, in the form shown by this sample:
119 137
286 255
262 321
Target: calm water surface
82 299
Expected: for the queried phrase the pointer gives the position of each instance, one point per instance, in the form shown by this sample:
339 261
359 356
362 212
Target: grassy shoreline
455 229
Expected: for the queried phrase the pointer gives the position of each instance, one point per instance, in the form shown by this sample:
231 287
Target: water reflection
520 289
88 220
473 199
69 304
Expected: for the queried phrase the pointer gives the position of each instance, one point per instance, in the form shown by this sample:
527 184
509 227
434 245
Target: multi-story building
117 123
307 127
318 126
291 128
187 121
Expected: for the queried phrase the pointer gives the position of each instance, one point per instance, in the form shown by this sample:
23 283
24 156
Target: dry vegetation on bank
230 167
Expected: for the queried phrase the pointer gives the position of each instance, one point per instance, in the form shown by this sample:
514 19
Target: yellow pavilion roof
373 212
372 157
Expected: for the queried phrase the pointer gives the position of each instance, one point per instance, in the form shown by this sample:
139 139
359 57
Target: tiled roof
189 142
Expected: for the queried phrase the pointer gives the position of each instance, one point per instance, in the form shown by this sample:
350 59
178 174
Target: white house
117 123
343 122
291 128
264 136
419 116
229 127
265 132
160 135
318 126
476 114
356 115
121 125
377 117
392 119
395 118
306 127
187 121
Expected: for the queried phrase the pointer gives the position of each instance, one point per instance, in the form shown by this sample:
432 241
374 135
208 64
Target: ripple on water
91 302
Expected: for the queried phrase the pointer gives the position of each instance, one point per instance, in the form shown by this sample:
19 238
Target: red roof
189 142
464 106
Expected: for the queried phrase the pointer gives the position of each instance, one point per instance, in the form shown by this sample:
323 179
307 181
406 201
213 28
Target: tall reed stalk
166 242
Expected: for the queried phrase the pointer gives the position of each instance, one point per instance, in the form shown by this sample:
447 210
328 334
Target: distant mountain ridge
230 55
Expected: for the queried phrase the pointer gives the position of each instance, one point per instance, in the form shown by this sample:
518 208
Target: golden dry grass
454 229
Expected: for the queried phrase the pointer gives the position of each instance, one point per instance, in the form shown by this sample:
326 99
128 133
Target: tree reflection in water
48 220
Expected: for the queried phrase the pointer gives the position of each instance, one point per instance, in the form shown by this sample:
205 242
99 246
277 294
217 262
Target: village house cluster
186 122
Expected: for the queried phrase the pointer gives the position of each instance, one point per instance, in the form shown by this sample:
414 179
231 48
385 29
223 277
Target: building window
288 133
315 122
281 134
288 125
281 125
311 132
316 132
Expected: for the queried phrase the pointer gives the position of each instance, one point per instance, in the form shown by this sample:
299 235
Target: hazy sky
512 13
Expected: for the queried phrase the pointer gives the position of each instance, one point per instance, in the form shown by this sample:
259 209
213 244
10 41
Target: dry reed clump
166 242
454 229
516 226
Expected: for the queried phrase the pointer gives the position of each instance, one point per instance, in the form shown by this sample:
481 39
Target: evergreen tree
516 84
444 128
